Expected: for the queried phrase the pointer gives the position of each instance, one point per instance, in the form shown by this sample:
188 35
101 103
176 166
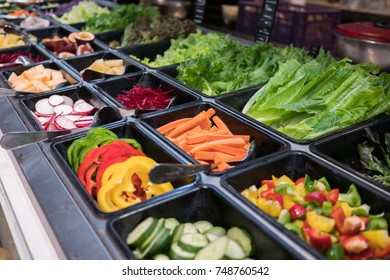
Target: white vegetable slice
63 123
83 108
73 117
67 100
81 124
63 109
214 250
43 107
85 118
56 100
43 120
78 102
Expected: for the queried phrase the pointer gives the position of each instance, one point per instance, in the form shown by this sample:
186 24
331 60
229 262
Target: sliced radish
78 102
86 118
73 117
43 120
43 107
37 114
83 108
63 123
63 109
49 122
81 124
56 100
67 100
51 127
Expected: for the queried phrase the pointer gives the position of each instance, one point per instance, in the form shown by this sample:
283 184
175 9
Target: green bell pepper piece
295 229
377 224
284 189
336 252
327 208
352 197
284 217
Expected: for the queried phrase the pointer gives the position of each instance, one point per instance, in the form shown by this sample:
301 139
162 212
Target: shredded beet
9 58
145 98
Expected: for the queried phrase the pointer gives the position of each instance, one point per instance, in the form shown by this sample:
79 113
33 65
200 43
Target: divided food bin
214 196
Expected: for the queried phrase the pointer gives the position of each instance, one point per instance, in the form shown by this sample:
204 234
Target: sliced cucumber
234 251
193 242
177 233
177 253
214 233
203 226
161 257
189 228
158 244
242 237
171 223
159 227
214 250
141 231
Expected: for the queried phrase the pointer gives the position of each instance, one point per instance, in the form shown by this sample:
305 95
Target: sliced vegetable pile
34 22
166 238
59 9
307 100
337 224
60 112
11 57
146 30
76 43
36 79
10 41
375 156
119 17
207 139
113 171
139 97
185 49
108 66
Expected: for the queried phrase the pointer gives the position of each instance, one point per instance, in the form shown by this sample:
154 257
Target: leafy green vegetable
146 30
375 156
185 49
119 17
307 100
81 12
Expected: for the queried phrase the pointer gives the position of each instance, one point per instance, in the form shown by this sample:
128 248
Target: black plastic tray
30 49
296 165
208 203
341 148
114 87
151 147
266 143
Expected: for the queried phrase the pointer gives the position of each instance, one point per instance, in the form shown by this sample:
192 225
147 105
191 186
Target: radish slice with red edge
73 117
64 123
56 100
83 108
49 122
78 102
81 124
63 109
43 120
67 100
43 107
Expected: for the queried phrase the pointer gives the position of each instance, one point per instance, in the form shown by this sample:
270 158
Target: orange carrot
199 118
223 157
196 138
222 167
220 124
215 136
233 142
203 155
171 125
230 150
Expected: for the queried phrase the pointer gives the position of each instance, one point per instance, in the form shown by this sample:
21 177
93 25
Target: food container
114 87
341 148
267 145
364 41
209 203
296 165
150 146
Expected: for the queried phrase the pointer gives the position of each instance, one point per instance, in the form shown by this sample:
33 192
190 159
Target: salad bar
254 151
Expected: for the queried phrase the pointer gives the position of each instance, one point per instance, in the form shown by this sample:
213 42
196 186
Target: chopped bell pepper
297 211
120 186
332 196
376 224
316 198
309 184
327 208
383 253
336 252
363 255
270 183
284 217
288 202
352 197
284 189
282 180
300 180
323 185
319 240
377 239
362 210
354 244
272 208
275 197
320 222
295 229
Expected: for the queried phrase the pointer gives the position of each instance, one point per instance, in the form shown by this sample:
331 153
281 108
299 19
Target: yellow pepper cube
378 239
272 208
320 222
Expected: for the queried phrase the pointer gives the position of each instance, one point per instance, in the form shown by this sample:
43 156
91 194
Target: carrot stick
230 150
220 124
215 136
223 157
196 138
199 118
234 142
202 155
171 125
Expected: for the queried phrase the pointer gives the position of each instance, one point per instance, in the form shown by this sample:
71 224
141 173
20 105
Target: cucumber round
158 244
242 237
193 242
161 257
177 253
177 233
159 227
141 231
189 228
203 226
171 223
214 233
234 251
214 250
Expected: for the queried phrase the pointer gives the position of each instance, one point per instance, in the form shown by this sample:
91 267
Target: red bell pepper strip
354 244
300 180
269 183
316 197
364 255
338 215
297 211
383 253
351 225
266 192
320 241
90 184
275 197
332 196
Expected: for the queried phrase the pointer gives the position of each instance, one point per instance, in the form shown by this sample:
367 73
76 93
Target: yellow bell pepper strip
127 183
377 239
272 208
320 222
383 254
288 202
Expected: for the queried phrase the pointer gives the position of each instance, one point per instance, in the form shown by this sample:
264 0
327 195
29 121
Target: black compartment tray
296 165
206 202
151 147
